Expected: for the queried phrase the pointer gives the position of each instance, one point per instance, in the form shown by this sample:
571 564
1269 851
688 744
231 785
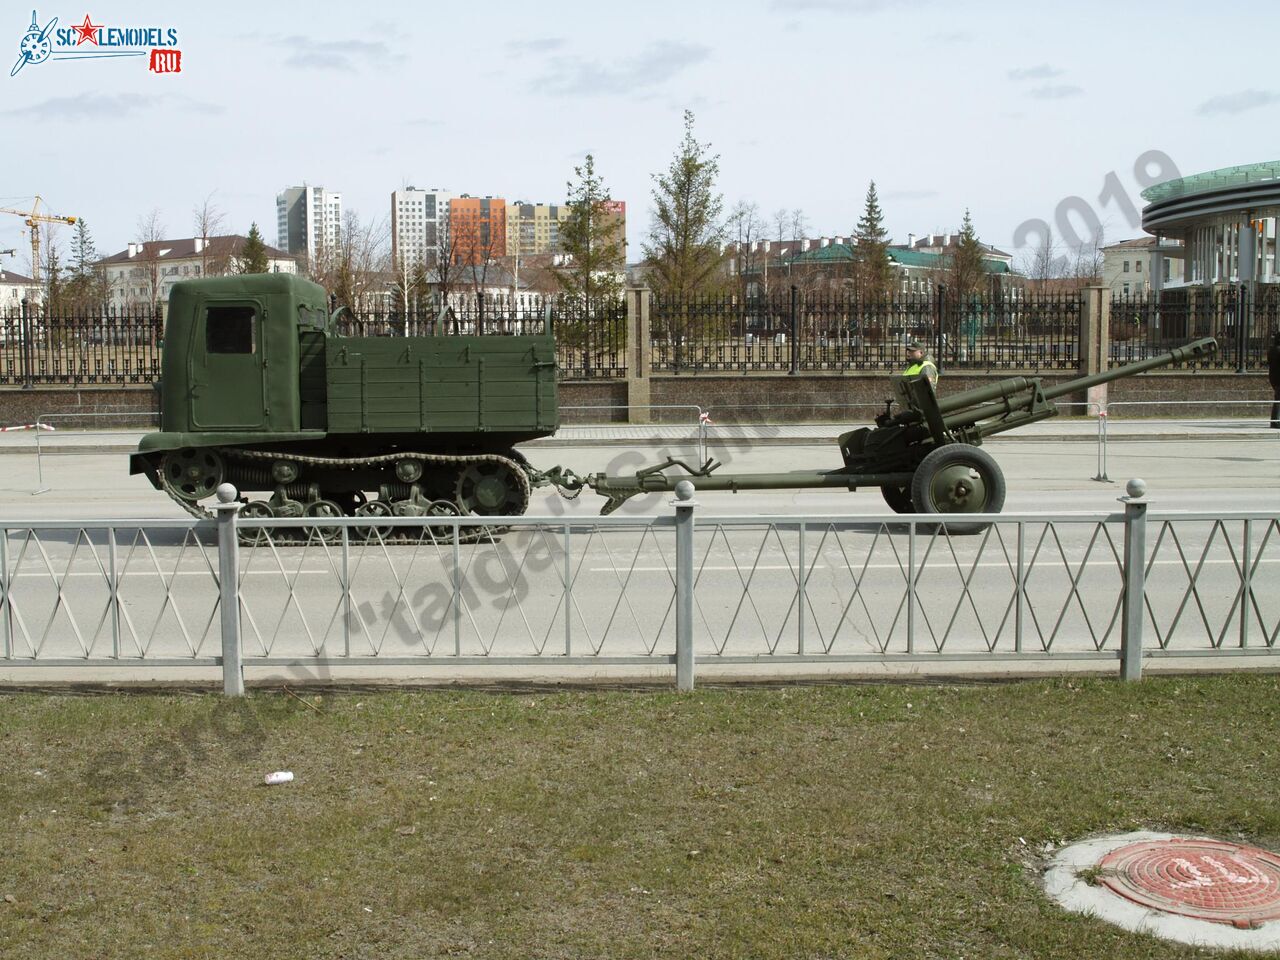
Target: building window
1126 286
1137 266
1126 268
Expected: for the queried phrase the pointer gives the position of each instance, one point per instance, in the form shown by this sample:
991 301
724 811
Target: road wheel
323 508
958 478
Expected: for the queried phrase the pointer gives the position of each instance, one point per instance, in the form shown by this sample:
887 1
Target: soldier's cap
913 345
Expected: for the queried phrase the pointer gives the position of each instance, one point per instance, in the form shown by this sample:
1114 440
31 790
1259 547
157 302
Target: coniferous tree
253 255
874 270
967 274
52 274
86 286
683 250
591 236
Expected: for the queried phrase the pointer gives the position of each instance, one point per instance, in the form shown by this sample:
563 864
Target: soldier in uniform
919 365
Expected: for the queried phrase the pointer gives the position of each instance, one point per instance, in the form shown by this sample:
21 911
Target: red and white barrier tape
27 426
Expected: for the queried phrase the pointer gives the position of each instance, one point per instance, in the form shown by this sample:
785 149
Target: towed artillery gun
266 389
926 458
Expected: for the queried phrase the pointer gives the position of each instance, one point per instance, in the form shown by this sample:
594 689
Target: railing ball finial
684 490
1136 488
226 493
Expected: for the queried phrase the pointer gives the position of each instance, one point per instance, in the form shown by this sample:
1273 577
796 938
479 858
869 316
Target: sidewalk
1061 429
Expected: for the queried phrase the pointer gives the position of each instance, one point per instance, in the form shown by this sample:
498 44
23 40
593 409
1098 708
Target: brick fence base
729 399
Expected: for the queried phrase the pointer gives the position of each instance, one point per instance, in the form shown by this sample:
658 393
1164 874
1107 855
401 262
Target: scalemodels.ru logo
92 41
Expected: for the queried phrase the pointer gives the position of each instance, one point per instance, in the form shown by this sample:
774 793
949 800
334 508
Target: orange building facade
477 229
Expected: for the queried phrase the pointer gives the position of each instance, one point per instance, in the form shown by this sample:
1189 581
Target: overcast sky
1006 109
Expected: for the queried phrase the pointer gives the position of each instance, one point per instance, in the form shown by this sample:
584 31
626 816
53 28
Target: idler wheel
324 508
958 478
489 489
193 474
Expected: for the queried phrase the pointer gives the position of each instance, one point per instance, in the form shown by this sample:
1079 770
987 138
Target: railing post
941 326
228 507
684 504
28 352
1242 328
795 356
1135 574
114 595
6 585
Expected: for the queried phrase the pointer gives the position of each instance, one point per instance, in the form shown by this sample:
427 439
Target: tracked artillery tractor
925 457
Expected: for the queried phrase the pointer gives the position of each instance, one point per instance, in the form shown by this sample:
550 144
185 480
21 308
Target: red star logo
88 31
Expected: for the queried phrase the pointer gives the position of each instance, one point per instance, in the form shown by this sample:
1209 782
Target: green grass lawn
797 821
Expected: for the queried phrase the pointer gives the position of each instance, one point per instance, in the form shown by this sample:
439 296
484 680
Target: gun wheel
958 478
898 499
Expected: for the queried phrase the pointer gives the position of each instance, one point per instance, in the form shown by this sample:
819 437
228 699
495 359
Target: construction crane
34 218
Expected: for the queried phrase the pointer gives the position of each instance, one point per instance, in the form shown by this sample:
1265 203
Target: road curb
49 449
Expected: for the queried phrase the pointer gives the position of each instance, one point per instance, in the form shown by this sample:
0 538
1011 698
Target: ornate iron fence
109 347
792 331
1143 325
124 346
590 335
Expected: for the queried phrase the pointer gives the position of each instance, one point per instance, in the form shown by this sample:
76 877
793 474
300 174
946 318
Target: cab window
230 329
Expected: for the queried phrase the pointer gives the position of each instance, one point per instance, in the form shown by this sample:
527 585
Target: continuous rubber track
516 463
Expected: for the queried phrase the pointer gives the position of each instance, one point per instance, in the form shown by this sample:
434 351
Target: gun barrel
1191 351
978 395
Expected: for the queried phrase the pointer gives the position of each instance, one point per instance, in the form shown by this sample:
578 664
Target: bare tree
1086 265
447 260
746 226
353 267
208 220
150 231
1042 263
478 242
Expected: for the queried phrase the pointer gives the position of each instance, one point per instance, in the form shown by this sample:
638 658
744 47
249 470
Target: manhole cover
1204 879
1198 890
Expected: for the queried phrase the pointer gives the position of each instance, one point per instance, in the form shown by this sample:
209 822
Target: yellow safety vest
925 367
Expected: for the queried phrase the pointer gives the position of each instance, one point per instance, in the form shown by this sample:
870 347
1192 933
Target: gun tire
898 499
958 478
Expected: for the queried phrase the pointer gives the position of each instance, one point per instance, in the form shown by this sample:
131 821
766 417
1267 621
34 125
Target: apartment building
308 220
477 228
416 218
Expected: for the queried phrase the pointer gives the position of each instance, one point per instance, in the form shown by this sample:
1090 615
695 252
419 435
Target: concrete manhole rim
1065 882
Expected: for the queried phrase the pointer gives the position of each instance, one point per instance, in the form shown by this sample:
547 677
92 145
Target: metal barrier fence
548 592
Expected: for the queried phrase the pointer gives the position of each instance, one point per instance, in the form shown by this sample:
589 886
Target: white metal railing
647 590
